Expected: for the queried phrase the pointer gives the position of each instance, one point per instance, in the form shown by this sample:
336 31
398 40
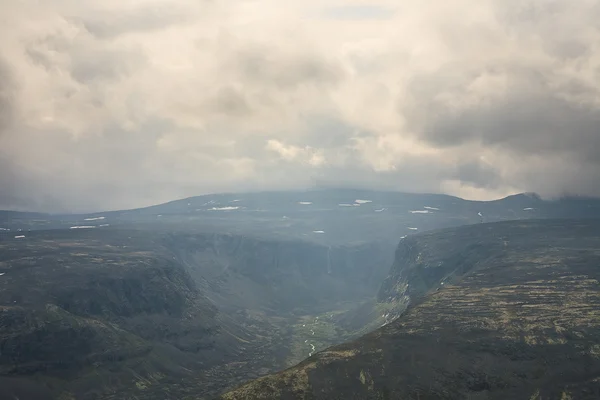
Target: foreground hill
154 314
491 311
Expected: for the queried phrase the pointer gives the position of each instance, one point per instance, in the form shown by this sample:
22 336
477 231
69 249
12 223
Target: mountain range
191 298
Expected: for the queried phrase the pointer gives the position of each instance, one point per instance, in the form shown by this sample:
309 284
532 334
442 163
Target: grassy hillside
495 311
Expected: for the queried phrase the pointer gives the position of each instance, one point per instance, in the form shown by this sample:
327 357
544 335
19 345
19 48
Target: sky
108 104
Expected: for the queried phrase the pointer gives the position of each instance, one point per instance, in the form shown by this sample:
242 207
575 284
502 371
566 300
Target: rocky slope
493 311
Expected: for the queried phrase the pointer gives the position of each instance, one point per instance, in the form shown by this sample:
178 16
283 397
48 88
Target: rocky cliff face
281 276
430 261
495 311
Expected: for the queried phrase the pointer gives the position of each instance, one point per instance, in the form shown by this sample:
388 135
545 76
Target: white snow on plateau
420 212
381 209
480 214
19 237
2 273
528 209
358 201
305 203
94 219
104 225
413 229
4 229
432 208
224 208
318 231
83 227
345 205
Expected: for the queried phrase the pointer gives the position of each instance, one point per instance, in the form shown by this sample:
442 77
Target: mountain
192 297
333 216
490 311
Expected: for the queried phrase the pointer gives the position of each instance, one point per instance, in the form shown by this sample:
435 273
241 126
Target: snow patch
381 210
420 212
2 273
318 231
345 205
104 225
358 201
94 219
480 214
431 208
305 203
223 208
412 229
4 229
19 237
528 209
83 227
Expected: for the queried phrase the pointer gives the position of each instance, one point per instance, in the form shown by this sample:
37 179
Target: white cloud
103 102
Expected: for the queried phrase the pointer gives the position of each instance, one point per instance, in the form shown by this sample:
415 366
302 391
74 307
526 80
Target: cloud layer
113 104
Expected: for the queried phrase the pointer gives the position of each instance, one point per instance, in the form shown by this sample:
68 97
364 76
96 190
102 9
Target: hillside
190 298
329 217
133 313
492 311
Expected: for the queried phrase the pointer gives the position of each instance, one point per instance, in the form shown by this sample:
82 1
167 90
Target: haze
114 104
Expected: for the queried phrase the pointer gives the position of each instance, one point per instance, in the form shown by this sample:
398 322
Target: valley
191 298
492 311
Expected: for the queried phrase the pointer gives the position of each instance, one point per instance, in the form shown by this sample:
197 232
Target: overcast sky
110 104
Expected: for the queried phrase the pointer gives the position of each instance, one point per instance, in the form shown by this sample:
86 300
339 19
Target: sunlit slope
503 310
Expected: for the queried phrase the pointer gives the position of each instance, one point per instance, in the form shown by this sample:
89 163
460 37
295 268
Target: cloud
111 104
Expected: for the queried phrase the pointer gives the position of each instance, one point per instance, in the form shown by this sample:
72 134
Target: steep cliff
129 313
494 311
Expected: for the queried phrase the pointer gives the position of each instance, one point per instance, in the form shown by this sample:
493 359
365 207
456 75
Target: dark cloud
261 64
7 93
98 66
144 18
478 174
